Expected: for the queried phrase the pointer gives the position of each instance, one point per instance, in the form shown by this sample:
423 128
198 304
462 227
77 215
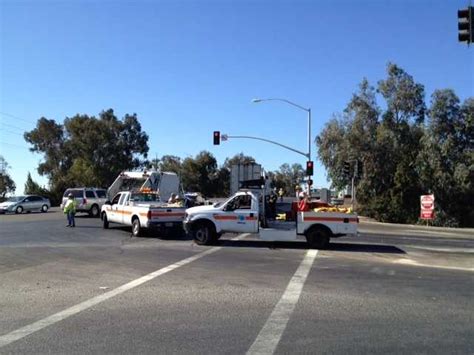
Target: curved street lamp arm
273 142
288 102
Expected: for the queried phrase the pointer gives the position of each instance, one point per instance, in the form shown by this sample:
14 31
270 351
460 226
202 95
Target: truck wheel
204 234
105 221
136 228
318 238
94 212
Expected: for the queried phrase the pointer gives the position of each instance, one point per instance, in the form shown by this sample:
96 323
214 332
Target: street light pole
309 133
309 126
301 108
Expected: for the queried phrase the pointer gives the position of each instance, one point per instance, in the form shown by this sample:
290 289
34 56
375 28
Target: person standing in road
303 205
272 201
297 190
70 210
281 193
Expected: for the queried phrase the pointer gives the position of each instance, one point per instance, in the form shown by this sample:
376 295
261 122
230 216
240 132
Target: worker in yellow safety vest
70 210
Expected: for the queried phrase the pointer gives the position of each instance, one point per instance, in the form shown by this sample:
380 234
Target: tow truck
241 213
138 202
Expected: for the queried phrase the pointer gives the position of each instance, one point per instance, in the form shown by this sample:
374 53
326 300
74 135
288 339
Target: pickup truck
142 210
241 214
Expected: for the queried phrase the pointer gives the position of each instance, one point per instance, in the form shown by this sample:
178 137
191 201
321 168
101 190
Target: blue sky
188 68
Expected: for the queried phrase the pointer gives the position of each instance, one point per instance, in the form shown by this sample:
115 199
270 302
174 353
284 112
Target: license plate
169 224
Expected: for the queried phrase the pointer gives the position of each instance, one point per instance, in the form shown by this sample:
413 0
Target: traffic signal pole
355 172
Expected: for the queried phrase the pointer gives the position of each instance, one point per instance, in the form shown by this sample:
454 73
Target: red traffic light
309 168
217 137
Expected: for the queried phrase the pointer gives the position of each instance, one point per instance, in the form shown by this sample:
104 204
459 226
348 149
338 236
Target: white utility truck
241 214
142 210
139 199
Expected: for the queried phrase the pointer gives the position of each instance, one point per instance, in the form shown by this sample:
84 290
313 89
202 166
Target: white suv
88 199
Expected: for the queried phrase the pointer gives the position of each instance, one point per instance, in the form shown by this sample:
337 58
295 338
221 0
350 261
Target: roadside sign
427 206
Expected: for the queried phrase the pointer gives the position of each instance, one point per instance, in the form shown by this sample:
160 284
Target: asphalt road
395 289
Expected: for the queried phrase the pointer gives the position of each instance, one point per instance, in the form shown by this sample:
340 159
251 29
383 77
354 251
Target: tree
240 158
404 97
7 185
170 163
200 174
32 187
287 177
386 142
87 150
446 160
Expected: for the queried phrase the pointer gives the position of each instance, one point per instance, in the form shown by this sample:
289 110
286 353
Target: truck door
238 215
126 209
113 213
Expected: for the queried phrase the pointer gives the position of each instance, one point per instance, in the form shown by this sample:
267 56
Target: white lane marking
270 335
45 322
415 263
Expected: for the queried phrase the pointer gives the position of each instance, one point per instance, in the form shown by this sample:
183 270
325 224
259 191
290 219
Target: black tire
44 208
318 238
19 210
204 234
94 212
136 228
105 221
218 236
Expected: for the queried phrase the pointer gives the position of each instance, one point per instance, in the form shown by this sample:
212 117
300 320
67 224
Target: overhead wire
16 117
12 132
14 145
13 126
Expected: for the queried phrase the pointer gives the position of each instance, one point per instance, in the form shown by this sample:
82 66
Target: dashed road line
57 317
270 335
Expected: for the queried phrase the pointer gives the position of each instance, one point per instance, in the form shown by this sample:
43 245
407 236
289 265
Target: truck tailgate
163 215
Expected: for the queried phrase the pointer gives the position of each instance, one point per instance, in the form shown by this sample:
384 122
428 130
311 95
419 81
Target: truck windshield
145 197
